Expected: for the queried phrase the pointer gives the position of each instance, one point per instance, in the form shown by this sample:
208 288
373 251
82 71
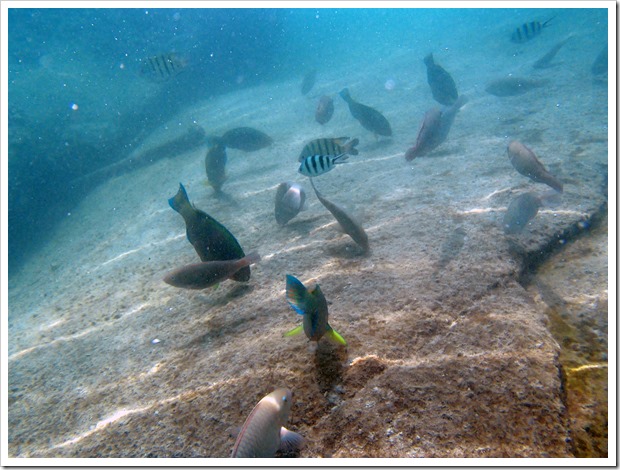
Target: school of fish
222 258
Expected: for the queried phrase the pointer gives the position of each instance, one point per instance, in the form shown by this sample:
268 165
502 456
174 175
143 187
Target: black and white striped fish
162 67
315 165
528 31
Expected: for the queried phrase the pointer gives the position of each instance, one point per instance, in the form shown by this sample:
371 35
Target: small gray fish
208 273
528 31
316 165
215 165
520 211
263 432
329 146
308 82
324 110
246 139
513 86
162 67
350 226
369 118
442 85
290 199
524 160
545 61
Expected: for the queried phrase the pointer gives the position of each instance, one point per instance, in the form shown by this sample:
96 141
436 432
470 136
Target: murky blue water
78 102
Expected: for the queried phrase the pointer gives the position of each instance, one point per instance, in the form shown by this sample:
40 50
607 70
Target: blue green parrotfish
313 306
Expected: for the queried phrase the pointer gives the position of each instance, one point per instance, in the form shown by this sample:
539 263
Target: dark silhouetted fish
215 165
329 146
545 61
208 273
513 86
211 240
313 306
525 162
434 129
290 199
528 31
316 165
599 66
246 138
350 226
324 110
520 211
162 67
308 82
263 432
441 83
369 118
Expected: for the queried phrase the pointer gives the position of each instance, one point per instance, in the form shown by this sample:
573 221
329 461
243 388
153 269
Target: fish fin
180 199
296 294
290 441
294 331
334 336
340 158
344 94
350 147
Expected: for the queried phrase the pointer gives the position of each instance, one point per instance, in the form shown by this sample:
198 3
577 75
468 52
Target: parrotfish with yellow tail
313 306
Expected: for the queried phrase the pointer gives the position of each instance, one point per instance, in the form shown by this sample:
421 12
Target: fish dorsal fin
296 294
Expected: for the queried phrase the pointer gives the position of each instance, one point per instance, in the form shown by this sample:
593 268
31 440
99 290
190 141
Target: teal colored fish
313 306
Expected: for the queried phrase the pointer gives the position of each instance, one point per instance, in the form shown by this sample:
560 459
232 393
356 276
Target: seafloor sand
448 355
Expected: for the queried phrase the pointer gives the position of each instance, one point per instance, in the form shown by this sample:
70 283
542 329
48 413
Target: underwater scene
308 232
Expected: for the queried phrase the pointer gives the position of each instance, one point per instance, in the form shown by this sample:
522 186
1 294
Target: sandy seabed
448 354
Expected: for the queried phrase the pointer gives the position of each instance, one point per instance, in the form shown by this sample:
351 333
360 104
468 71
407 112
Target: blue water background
59 58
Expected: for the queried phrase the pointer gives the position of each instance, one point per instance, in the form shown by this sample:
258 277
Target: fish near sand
324 110
528 31
263 432
434 129
162 67
348 224
513 86
520 211
208 273
290 199
329 146
215 164
524 160
441 82
246 139
316 165
308 82
545 61
369 118
313 306
211 240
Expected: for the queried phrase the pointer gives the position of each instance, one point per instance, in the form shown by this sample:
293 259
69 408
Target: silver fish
524 160
329 146
520 211
263 432
315 165
290 199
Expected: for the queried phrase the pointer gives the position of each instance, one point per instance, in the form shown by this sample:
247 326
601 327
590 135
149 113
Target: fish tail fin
296 294
342 158
290 441
213 140
350 147
294 331
344 93
429 60
180 199
335 337
546 23
252 258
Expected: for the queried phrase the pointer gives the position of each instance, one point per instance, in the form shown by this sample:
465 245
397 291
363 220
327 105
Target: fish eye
284 399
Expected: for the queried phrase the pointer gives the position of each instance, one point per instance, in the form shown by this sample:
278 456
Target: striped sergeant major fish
162 67
315 165
528 31
329 146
